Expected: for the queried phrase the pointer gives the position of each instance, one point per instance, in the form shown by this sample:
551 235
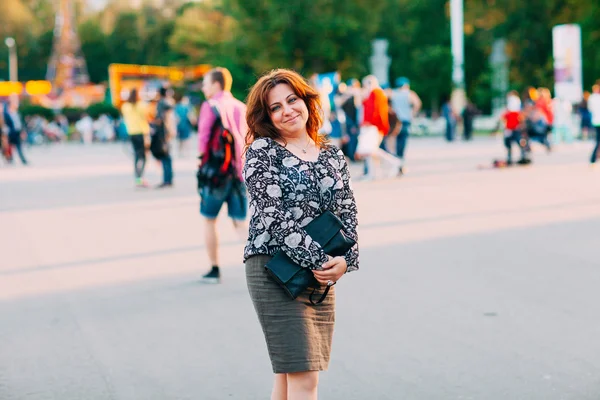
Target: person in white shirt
594 107
85 127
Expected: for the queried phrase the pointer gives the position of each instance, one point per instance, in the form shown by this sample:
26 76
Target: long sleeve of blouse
287 193
274 222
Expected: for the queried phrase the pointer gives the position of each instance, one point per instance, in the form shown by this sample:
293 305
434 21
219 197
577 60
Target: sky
97 4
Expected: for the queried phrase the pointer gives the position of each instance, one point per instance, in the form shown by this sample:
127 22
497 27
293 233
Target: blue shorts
233 193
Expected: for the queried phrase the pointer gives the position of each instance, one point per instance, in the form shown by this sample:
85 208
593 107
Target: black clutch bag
328 231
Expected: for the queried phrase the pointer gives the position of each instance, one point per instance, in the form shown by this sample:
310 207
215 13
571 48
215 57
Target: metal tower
67 67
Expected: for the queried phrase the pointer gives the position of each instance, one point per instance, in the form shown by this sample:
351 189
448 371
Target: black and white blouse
287 193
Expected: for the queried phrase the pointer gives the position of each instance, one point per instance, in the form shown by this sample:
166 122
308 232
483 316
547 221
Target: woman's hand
332 271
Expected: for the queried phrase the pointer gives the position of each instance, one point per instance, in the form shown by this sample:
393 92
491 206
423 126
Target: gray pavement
474 284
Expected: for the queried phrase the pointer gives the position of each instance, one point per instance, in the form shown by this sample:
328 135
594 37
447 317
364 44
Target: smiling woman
293 176
288 112
272 99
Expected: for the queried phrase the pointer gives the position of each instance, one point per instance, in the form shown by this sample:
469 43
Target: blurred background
476 282
505 45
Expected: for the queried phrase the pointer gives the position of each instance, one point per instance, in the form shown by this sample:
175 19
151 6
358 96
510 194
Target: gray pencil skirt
298 334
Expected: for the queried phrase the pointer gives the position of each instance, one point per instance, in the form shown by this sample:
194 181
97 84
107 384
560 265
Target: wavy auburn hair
258 112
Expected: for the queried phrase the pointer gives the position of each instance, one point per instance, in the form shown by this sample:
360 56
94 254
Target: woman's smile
292 120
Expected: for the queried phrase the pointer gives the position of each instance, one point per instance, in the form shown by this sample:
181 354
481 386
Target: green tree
419 36
200 33
157 50
251 36
43 13
527 26
205 34
124 42
95 50
15 19
315 36
590 32
33 58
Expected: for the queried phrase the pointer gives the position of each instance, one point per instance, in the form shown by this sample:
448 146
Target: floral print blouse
287 193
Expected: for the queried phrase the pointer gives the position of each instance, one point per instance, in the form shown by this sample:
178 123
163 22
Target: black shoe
214 276
400 171
164 185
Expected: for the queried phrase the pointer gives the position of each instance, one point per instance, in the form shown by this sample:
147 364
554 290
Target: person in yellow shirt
135 114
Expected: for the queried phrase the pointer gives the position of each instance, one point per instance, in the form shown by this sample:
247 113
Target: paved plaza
475 284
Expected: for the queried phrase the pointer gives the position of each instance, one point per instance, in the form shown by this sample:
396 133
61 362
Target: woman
135 115
293 176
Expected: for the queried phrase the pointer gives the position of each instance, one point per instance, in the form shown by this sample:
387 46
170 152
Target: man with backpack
221 131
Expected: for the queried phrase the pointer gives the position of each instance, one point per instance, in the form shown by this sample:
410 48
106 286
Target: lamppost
12 59
457 35
457 39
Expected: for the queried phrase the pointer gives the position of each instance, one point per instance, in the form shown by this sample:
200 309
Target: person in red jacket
374 127
513 119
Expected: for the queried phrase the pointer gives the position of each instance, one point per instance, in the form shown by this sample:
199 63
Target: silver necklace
302 149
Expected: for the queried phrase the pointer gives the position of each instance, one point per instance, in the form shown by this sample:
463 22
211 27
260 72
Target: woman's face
288 112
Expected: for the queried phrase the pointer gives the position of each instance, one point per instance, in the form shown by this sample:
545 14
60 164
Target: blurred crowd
536 117
18 131
532 117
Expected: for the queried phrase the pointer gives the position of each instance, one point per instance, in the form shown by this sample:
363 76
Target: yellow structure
10 88
32 88
124 77
38 88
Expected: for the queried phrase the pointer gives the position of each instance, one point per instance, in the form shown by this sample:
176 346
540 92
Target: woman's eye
274 109
293 100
